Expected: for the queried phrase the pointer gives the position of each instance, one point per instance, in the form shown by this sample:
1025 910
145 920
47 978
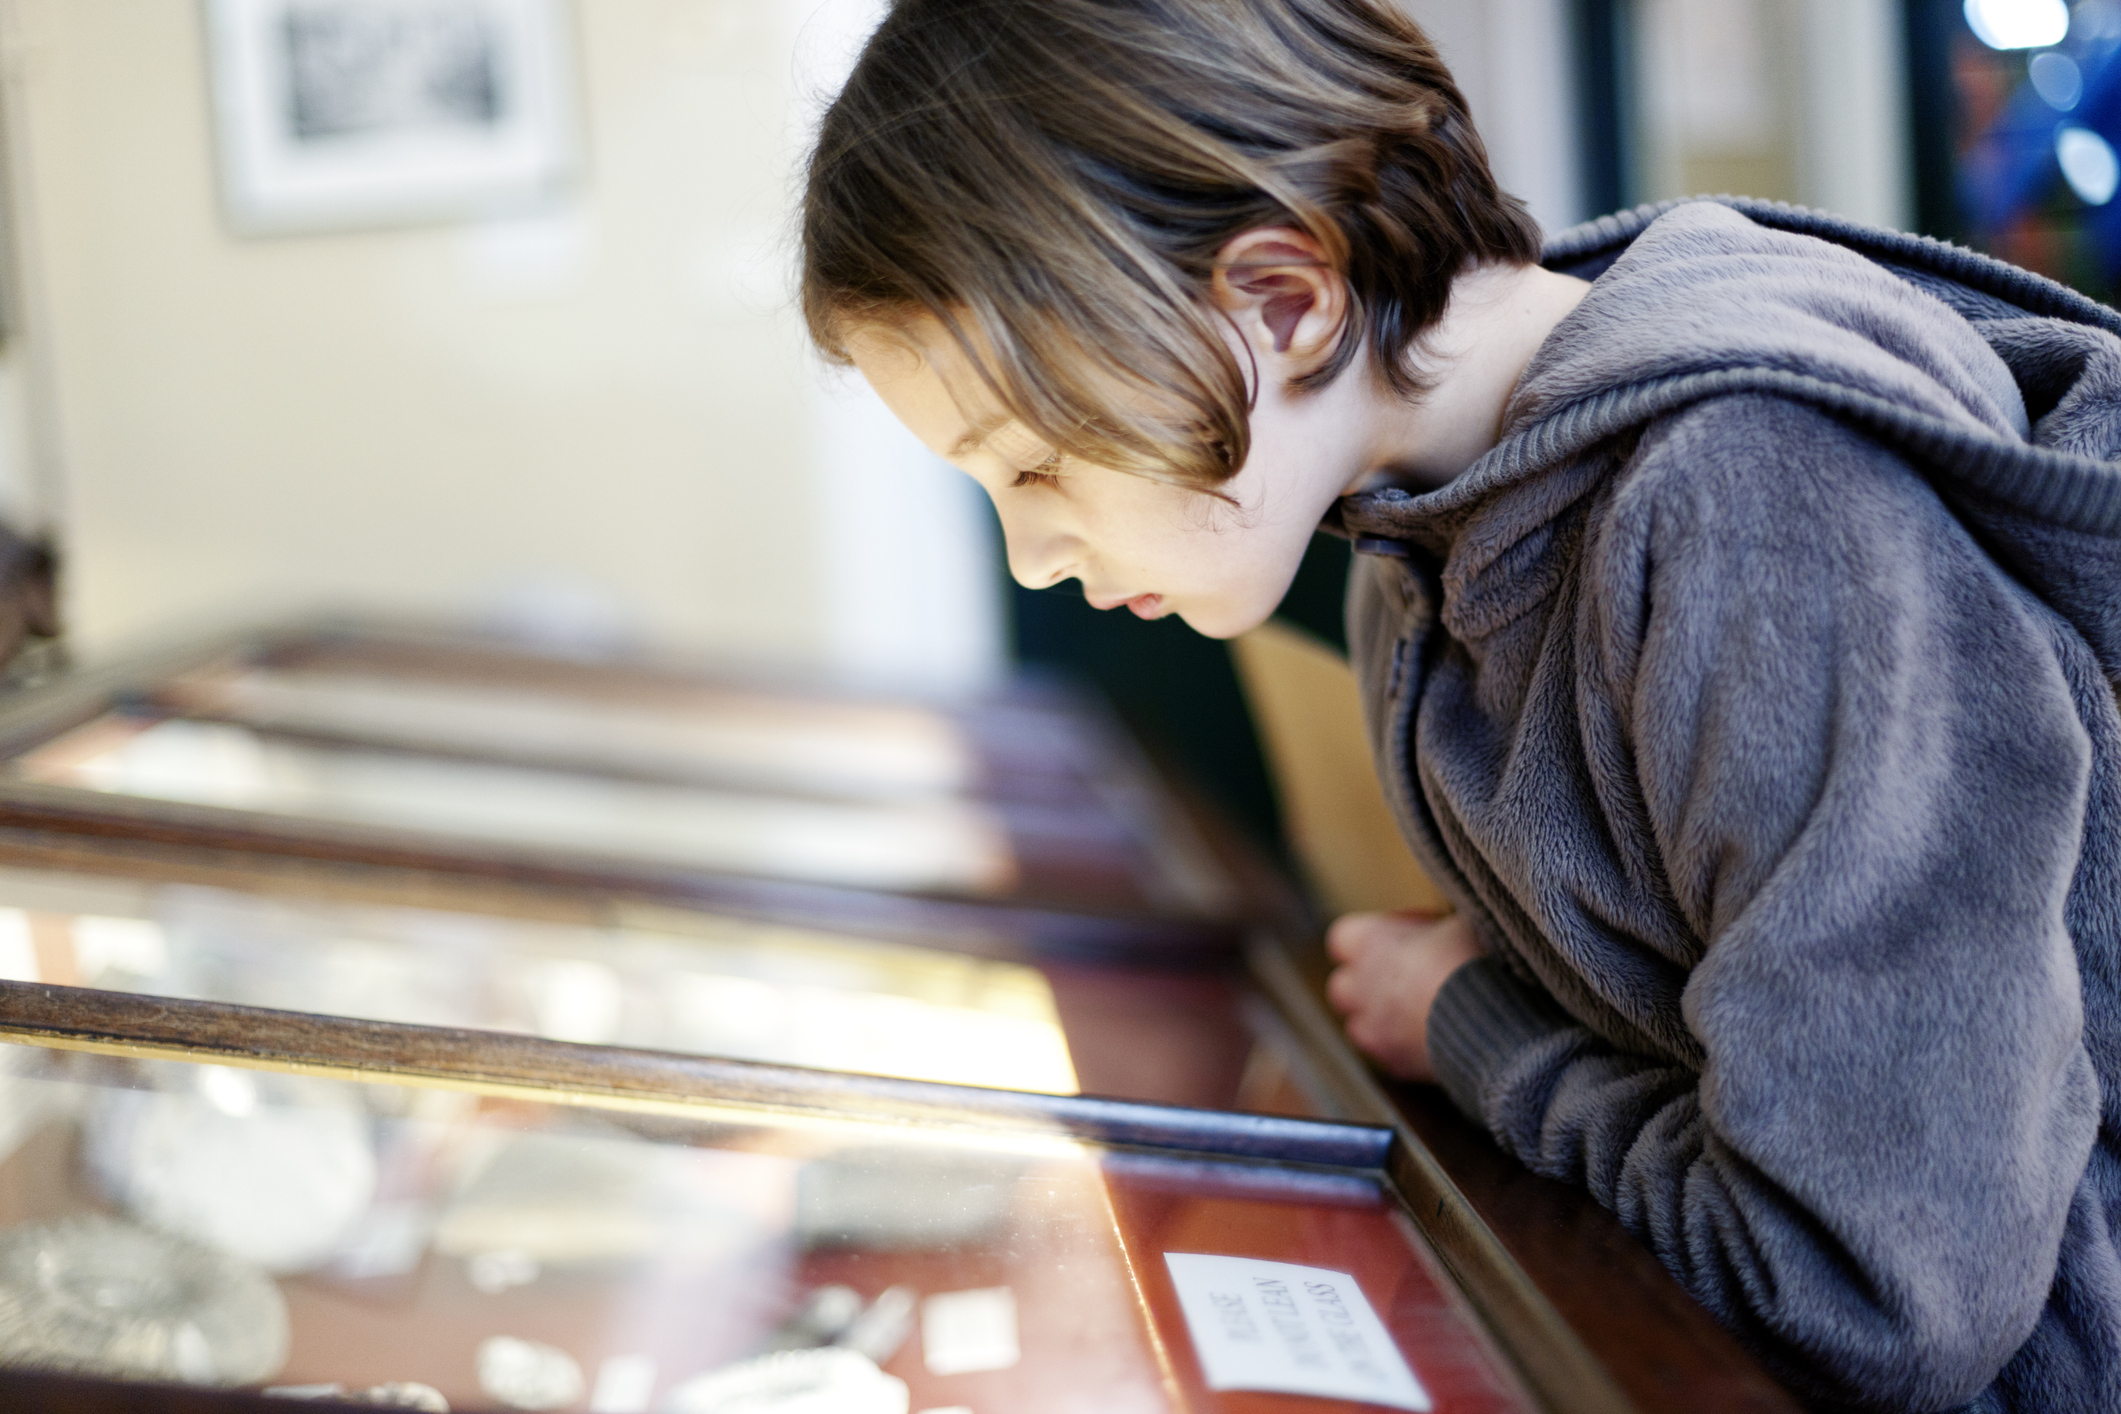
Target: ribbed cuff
1481 1018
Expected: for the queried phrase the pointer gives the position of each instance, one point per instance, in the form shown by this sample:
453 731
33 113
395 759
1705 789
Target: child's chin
1220 621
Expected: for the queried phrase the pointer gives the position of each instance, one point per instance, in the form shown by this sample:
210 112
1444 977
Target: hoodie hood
2000 387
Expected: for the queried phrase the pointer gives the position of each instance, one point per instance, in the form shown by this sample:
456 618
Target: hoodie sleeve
1857 755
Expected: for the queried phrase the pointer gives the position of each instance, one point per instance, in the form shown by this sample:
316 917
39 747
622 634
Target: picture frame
343 114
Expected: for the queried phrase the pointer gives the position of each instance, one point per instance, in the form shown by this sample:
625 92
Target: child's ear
1284 296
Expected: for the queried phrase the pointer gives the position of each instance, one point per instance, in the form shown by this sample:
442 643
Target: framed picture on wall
334 114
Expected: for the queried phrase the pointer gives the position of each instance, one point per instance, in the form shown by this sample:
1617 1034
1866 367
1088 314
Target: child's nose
1038 558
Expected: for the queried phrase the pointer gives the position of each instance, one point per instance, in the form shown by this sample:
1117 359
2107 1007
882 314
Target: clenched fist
1392 965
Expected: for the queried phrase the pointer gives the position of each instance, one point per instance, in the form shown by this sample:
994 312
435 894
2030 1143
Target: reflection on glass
934 844
726 987
756 739
168 1221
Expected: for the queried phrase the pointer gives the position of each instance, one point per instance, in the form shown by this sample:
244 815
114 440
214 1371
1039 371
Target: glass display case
303 1101
361 743
305 1208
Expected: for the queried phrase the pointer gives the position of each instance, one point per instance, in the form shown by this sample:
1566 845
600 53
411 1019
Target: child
1738 622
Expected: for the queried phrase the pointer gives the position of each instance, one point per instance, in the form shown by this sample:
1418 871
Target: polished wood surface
27 1390
1098 1318
716 1289
1186 1035
1569 1275
1099 1321
1573 1303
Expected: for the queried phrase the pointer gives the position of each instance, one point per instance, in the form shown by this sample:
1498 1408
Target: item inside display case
190 1223
944 845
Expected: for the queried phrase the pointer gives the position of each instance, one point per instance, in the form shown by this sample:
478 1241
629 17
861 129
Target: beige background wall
608 404
612 397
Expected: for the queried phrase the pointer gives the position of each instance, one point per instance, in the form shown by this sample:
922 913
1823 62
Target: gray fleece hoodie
1756 696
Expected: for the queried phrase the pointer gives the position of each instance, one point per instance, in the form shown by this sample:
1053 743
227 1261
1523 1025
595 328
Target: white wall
607 410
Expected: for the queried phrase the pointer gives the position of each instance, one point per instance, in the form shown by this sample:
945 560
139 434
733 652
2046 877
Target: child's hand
1392 967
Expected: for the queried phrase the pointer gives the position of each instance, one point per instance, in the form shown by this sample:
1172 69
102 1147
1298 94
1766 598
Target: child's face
1157 548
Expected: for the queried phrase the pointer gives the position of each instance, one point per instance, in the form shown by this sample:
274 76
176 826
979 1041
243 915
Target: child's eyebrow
976 434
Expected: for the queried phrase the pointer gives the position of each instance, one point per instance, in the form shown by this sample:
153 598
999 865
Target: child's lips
1147 606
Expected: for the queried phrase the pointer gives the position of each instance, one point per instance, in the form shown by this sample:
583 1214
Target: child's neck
1498 317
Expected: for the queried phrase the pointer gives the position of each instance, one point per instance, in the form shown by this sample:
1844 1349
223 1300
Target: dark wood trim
30 719
438 651
81 1018
1053 842
336 881
993 719
158 705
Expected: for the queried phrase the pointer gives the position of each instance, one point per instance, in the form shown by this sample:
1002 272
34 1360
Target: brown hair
1049 177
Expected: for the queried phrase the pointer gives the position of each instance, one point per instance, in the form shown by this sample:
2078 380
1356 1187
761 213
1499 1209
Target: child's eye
1040 475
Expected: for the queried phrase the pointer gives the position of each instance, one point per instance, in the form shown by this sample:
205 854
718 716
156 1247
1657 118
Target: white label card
963 1332
1292 1330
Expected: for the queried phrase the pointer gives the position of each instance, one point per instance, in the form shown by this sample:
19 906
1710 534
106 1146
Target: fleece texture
1756 698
